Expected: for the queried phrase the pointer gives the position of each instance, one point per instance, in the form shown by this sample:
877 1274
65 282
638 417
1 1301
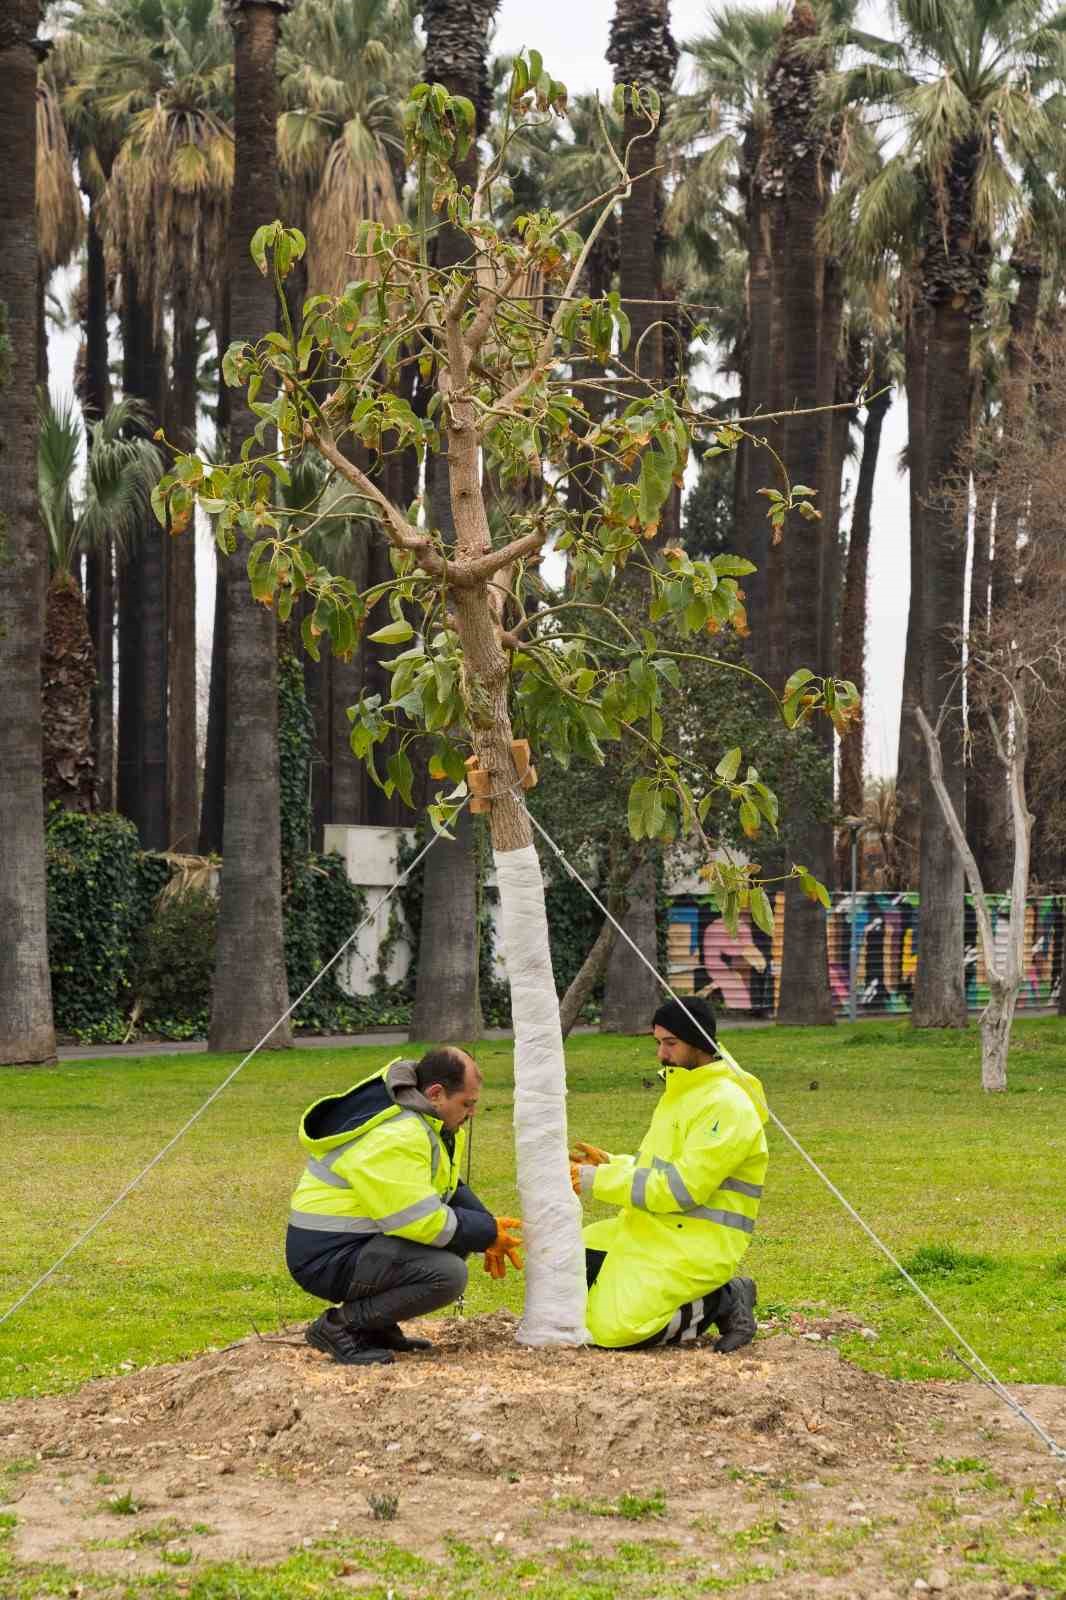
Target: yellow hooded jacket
688 1201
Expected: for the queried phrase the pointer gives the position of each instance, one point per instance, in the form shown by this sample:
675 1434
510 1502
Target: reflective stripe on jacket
688 1199
392 1174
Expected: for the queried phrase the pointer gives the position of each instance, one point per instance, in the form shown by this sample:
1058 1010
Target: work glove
506 1247
588 1155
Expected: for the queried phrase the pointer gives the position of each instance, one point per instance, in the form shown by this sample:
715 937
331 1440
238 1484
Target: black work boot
736 1320
330 1334
392 1337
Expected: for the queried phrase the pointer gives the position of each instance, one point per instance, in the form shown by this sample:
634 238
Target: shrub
174 964
101 887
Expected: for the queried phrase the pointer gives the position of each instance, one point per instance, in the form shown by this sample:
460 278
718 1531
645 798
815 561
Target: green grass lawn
969 1188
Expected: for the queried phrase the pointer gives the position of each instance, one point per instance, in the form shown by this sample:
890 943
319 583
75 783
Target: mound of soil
268 1443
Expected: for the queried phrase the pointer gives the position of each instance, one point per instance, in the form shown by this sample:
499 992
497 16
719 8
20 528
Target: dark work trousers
394 1279
688 1321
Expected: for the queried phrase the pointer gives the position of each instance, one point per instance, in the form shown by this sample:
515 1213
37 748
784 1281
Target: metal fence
740 971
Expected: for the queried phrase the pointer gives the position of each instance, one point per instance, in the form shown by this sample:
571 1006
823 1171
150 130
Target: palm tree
121 472
250 991
161 77
345 69
446 994
973 87
729 102
60 220
27 1034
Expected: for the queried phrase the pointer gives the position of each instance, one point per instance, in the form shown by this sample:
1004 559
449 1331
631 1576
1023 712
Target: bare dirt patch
841 1482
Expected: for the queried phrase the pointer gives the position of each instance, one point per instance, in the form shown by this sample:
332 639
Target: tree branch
958 835
398 529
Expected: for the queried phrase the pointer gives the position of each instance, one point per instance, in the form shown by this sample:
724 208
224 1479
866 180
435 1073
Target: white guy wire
213 1096
981 1370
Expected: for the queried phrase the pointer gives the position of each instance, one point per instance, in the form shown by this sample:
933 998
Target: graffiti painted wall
740 971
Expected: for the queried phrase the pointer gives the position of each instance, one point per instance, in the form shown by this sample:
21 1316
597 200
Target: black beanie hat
681 1020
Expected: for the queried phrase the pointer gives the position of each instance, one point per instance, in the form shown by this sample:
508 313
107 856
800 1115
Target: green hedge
101 888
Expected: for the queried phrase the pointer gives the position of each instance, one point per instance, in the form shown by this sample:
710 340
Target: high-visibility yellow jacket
377 1166
688 1201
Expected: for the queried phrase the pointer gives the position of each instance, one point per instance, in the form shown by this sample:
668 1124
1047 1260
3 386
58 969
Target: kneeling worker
381 1221
662 1270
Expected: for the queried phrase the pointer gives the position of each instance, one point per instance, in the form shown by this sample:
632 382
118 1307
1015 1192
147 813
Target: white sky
572 37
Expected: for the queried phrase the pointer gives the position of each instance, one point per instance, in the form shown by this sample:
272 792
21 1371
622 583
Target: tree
641 50
446 1003
27 1034
976 88
487 661
250 991
121 474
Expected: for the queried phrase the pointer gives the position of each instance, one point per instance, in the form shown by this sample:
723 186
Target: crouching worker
663 1271
381 1223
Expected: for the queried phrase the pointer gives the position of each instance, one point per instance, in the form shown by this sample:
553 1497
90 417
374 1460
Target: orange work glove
506 1247
588 1155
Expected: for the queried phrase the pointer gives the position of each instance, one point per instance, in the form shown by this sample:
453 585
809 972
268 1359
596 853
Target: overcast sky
572 37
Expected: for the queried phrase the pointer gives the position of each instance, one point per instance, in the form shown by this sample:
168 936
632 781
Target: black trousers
694 1319
394 1279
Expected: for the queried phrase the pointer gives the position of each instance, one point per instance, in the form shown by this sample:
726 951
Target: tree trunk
181 604
832 388
996 1022
213 797
27 1035
250 990
939 991
68 673
752 528
982 769
448 943
853 614
909 757
631 993
587 976
143 624
447 1005
804 995
99 563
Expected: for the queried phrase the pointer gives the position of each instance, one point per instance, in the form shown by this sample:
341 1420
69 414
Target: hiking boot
334 1338
736 1321
393 1337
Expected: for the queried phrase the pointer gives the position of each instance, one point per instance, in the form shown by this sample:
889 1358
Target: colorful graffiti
740 971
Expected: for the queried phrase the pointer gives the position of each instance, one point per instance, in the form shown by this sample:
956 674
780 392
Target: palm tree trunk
143 624
27 1035
1027 263
250 990
832 387
939 993
213 798
910 758
100 580
447 1002
804 995
181 604
68 673
752 528
983 768
853 612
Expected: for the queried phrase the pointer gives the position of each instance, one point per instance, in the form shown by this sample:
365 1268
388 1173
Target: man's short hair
445 1065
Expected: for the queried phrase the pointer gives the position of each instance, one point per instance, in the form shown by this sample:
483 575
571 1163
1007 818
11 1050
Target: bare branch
396 525
958 835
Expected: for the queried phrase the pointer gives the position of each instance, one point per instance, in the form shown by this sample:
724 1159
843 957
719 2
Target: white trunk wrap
555 1256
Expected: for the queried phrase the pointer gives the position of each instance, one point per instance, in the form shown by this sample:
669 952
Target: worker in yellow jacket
663 1270
381 1221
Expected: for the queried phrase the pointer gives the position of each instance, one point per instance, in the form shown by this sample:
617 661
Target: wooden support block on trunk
527 773
480 785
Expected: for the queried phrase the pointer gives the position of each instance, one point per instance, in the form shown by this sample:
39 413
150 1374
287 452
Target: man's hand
575 1177
588 1155
506 1248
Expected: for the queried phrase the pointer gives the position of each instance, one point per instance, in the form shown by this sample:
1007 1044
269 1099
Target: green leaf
797 681
401 775
393 633
729 765
762 912
656 481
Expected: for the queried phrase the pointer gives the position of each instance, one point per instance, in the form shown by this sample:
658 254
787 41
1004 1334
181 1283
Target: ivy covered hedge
101 890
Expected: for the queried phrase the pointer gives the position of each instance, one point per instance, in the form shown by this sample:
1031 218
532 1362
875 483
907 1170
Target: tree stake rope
213 1096
980 1369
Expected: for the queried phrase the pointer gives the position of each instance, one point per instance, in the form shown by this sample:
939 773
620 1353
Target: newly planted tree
488 655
